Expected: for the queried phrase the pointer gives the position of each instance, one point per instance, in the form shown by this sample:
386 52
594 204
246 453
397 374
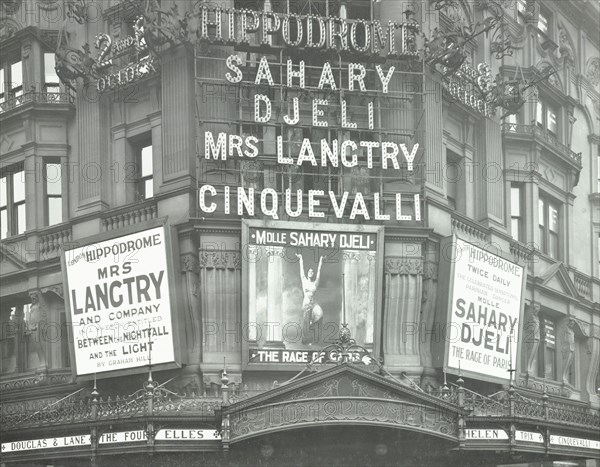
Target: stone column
402 314
425 330
91 172
253 252
179 114
435 155
488 181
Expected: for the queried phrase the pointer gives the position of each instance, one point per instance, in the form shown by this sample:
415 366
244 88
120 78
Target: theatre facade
309 232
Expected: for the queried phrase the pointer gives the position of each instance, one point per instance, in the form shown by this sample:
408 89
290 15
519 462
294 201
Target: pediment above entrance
345 394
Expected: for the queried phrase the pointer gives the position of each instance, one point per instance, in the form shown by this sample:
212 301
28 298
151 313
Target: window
547 349
53 179
516 212
11 80
549 226
598 169
51 81
544 25
145 180
453 175
543 22
12 201
521 9
13 337
546 116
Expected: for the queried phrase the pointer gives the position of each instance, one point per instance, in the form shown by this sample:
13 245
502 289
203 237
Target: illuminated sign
46 443
487 434
110 52
220 25
574 442
484 301
358 158
121 437
119 303
529 436
472 87
303 282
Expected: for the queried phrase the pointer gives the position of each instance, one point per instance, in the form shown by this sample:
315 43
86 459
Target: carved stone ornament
10 7
77 11
55 289
403 266
49 5
26 51
565 48
593 71
8 28
190 263
219 260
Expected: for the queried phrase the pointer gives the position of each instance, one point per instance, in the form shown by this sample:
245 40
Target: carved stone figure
532 336
568 349
565 49
34 329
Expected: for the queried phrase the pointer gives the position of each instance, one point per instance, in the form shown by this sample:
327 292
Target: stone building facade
111 116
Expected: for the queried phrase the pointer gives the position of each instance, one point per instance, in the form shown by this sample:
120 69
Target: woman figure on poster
312 313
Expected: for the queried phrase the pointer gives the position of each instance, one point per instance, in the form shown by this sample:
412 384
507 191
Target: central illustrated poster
304 281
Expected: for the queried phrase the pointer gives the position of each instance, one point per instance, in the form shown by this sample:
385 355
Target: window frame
13 217
545 203
50 84
457 203
518 217
48 196
20 309
542 120
140 179
7 91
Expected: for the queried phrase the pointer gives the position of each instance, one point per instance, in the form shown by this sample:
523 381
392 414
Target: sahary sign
484 305
119 304
303 284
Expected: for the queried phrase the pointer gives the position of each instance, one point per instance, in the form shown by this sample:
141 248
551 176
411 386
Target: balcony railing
130 215
38 98
545 136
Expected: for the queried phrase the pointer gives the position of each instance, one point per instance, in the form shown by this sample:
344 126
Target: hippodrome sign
396 39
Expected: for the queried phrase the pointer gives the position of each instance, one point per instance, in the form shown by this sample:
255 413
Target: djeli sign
479 321
120 303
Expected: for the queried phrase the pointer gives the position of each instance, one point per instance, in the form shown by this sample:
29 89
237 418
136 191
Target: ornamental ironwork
117 63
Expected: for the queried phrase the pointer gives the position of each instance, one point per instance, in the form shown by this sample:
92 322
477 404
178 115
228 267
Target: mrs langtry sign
119 304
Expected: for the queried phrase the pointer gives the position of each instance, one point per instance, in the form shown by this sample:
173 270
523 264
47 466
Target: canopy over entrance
344 395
